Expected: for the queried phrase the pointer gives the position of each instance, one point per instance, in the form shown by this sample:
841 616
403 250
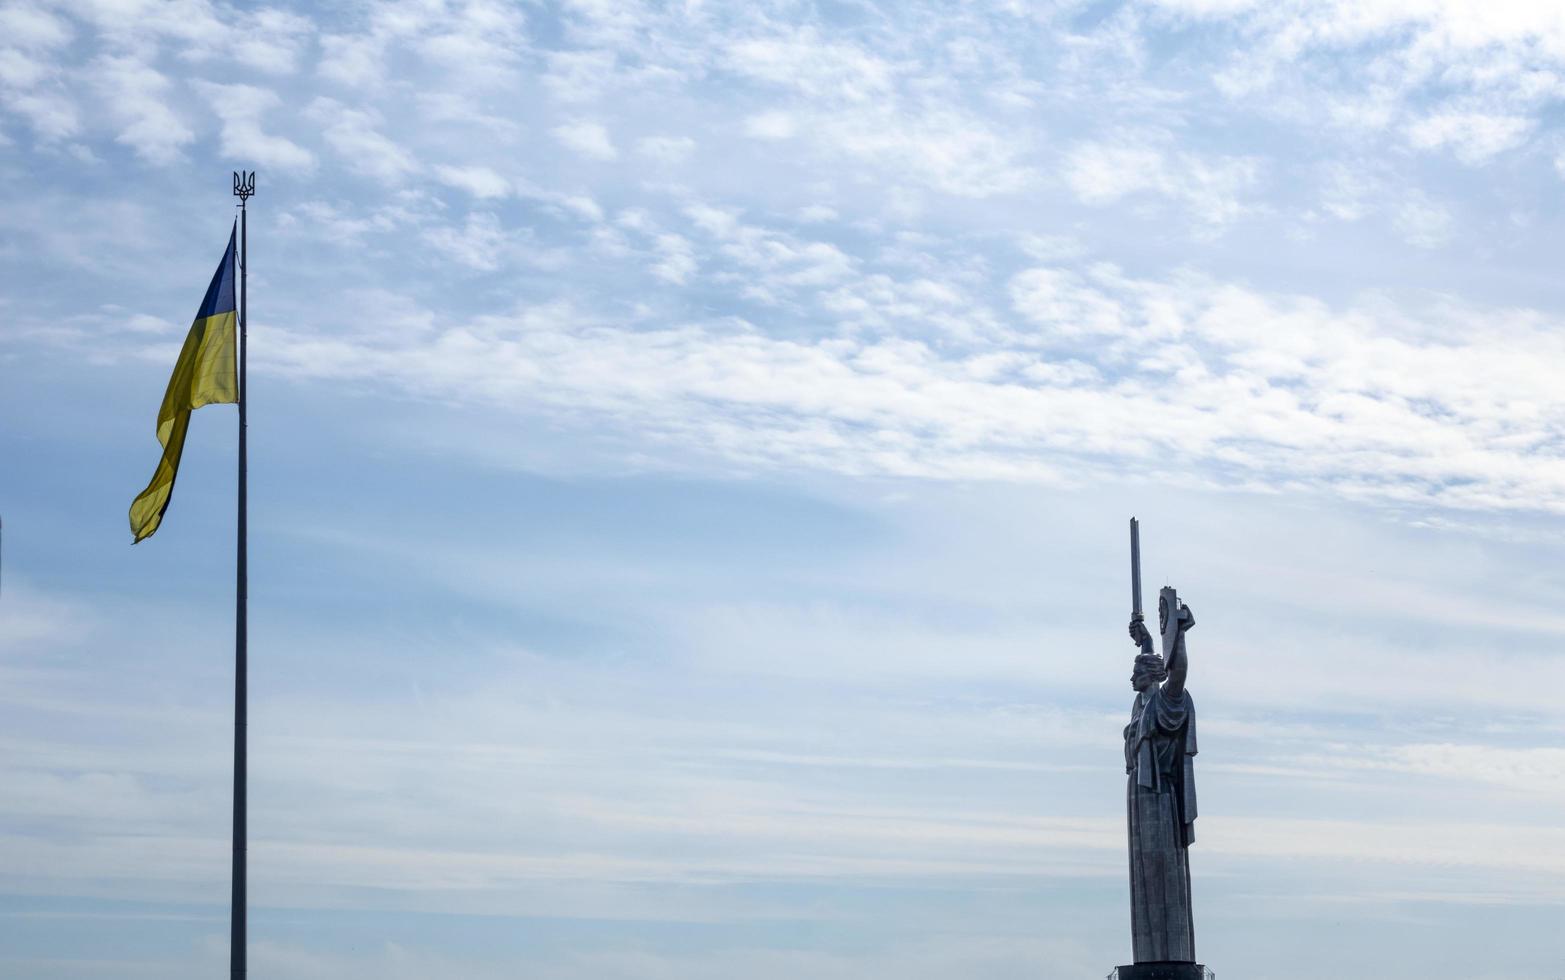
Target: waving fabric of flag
204 375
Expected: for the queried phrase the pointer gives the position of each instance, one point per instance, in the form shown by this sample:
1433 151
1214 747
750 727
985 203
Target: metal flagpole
244 186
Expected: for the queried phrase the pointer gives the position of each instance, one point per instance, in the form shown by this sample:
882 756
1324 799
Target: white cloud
771 126
1474 137
943 149
479 244
1423 221
361 59
355 136
1361 190
1102 173
1213 188
146 323
676 262
492 129
138 98
714 221
53 116
1274 390
813 66
195 30
589 139
1209 8
37 622
29 27
19 71
1349 193
1062 302
32 84
666 149
1507 58
481 182
353 60
898 113
771 264
271 40
479 46
240 107
342 225
579 76
583 207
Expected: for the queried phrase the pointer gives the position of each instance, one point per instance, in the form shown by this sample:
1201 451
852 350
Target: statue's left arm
1179 661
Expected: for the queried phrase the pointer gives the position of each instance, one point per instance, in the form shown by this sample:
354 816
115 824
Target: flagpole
244 186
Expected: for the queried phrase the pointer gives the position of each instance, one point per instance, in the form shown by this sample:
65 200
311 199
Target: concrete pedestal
1162 971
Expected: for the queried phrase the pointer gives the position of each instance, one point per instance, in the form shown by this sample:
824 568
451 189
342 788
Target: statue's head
1150 671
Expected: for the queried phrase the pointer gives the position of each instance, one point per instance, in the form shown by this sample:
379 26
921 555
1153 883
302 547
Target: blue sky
690 453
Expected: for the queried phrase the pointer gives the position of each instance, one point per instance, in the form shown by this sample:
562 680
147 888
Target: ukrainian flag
205 374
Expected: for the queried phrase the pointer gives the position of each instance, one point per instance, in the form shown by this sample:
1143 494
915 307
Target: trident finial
244 184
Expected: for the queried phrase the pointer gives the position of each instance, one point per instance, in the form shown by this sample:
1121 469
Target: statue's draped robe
1160 802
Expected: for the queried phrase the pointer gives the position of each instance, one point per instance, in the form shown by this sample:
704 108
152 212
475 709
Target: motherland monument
1160 803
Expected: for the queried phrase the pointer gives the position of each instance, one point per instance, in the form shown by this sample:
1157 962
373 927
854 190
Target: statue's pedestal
1162 971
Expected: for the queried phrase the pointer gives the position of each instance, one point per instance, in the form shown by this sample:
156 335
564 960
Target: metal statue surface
1160 800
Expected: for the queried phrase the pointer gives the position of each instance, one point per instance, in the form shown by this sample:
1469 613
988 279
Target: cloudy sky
691 446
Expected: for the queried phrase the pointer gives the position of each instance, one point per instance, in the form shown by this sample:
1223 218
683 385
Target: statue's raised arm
1178 661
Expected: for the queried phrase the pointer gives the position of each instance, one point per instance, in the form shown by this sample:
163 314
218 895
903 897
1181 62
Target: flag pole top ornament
244 184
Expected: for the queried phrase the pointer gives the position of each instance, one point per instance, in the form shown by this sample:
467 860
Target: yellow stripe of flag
204 375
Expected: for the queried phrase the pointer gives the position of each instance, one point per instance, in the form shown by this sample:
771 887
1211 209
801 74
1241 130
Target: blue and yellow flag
205 374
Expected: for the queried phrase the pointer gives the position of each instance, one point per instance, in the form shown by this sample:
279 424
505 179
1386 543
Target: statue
1160 801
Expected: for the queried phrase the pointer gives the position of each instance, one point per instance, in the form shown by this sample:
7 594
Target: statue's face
1141 680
